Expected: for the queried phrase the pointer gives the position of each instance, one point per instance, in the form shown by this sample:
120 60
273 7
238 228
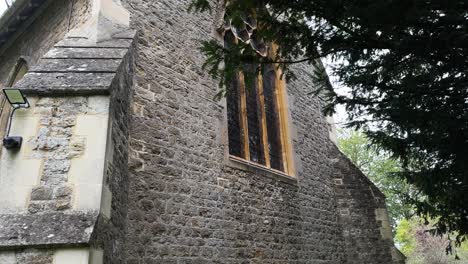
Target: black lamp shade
12 142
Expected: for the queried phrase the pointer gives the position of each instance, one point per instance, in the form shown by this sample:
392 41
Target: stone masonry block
42 193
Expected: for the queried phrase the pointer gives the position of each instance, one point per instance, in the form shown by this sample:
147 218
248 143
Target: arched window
18 71
256 110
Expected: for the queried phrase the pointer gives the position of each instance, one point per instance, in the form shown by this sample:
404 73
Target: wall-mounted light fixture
17 100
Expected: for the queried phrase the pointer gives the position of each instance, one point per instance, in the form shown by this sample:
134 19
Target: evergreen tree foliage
405 62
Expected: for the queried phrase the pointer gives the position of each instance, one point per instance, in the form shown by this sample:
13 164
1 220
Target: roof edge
10 11
18 17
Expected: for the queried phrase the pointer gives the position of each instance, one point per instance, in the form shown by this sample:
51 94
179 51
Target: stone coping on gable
52 229
78 67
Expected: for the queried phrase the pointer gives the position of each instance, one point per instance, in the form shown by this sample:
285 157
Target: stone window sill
245 165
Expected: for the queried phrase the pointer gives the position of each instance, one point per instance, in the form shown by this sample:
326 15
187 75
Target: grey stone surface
85 53
85 70
31 256
185 204
45 230
71 83
110 233
42 193
76 65
126 34
358 201
27 256
86 43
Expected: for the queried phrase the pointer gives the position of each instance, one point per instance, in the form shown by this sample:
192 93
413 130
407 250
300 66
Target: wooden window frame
283 127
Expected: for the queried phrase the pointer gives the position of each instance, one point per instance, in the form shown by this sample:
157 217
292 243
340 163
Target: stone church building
127 157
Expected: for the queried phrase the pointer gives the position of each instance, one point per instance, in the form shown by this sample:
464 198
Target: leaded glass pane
253 116
272 117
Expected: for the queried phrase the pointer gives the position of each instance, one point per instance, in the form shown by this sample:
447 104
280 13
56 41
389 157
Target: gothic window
17 73
256 113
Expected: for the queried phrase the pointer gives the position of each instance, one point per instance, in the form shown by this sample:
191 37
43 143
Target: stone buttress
63 194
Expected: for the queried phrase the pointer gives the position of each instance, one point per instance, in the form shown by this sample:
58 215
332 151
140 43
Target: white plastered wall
78 256
59 256
21 170
107 18
87 171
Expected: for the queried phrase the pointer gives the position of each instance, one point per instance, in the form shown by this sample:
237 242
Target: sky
340 116
3 6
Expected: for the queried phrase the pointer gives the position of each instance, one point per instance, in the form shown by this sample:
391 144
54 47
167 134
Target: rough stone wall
112 225
366 229
47 29
56 146
185 204
27 256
